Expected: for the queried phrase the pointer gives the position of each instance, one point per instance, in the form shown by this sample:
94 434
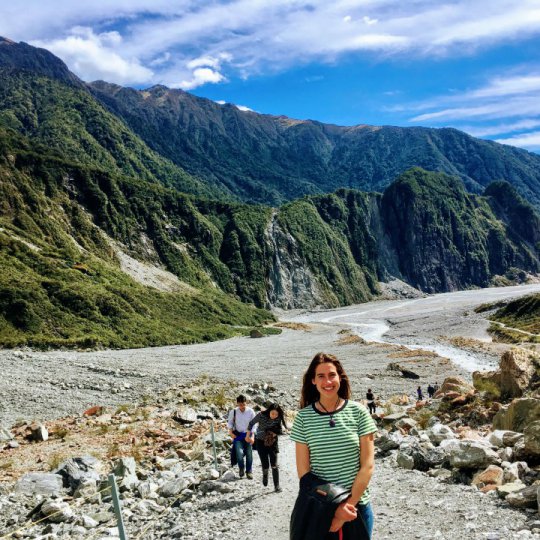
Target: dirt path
408 505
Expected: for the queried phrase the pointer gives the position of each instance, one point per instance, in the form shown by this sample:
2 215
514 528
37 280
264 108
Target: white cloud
527 140
131 39
505 105
92 56
499 129
243 108
199 77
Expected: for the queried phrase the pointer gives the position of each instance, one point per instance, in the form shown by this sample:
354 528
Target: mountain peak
26 57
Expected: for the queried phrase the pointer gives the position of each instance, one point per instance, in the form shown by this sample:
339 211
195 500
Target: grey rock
388 441
501 438
524 498
75 470
439 433
124 470
88 522
185 415
57 511
469 454
40 484
228 476
5 434
172 487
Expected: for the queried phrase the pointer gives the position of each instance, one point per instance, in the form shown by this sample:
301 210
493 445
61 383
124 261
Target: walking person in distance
238 421
334 441
371 401
269 423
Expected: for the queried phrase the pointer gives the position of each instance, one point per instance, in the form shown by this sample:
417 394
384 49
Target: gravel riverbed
408 505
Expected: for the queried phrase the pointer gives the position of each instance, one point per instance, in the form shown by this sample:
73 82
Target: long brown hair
310 394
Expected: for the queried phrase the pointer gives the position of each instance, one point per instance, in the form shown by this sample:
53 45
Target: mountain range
144 217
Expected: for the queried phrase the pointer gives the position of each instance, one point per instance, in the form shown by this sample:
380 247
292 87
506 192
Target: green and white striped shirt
334 452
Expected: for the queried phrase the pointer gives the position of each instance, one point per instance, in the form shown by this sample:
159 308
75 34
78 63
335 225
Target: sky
469 64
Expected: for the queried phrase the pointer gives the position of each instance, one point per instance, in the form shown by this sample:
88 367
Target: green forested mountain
270 159
96 205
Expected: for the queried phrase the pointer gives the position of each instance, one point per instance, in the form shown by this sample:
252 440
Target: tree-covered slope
41 100
63 226
518 321
272 159
60 281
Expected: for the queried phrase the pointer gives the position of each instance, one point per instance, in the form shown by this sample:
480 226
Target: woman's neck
330 403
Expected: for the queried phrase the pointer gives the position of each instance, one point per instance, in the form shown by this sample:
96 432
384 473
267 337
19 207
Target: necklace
332 422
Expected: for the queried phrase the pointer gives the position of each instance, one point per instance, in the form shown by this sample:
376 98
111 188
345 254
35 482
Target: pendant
332 422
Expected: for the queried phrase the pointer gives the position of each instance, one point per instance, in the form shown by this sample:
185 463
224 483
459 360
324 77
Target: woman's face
327 379
273 414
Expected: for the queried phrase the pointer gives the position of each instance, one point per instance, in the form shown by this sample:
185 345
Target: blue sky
462 63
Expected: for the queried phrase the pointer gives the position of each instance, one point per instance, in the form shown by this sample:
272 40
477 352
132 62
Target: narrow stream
371 321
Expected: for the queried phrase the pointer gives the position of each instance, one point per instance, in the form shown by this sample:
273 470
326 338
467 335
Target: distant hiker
238 421
430 391
436 388
419 392
371 401
268 424
334 444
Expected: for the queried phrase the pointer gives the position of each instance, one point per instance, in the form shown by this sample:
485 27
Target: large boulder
518 367
532 439
502 438
454 384
439 433
420 456
469 454
76 470
125 471
492 476
524 498
40 484
519 414
388 441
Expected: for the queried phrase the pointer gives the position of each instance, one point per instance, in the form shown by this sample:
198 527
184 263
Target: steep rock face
445 238
291 284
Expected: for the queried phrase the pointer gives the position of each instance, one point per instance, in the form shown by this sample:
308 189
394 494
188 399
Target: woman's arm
367 464
253 422
303 465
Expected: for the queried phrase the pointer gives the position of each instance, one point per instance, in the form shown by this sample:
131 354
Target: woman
269 424
334 438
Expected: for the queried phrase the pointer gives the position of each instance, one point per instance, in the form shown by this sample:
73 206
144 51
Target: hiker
419 392
371 401
430 391
237 423
268 424
334 443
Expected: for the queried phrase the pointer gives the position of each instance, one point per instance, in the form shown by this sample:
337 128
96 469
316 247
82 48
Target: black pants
372 407
268 454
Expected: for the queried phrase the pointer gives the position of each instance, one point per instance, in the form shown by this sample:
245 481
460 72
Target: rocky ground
131 385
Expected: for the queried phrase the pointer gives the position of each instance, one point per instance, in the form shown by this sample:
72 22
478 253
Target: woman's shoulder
305 411
357 406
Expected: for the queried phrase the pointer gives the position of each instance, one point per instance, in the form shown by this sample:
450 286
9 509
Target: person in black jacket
268 424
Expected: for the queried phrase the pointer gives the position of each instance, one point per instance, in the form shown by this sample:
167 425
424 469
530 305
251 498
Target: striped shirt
334 452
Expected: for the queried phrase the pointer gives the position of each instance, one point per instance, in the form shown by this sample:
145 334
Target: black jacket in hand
314 510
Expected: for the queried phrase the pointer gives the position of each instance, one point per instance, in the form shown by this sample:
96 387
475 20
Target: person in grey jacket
268 424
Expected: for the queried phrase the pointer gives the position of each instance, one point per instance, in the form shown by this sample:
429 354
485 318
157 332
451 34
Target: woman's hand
345 512
336 525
